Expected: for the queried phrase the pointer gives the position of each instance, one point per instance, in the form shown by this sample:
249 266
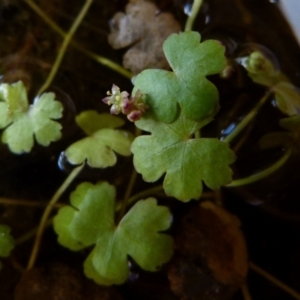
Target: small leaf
6 241
90 121
187 85
23 122
292 124
14 98
185 160
287 98
90 221
289 139
103 140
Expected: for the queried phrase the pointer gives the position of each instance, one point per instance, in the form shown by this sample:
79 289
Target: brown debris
60 282
144 29
211 259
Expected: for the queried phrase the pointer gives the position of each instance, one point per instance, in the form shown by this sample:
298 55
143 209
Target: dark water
269 211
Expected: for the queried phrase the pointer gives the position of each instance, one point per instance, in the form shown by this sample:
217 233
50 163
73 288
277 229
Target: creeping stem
274 280
245 292
263 174
47 212
192 16
66 42
100 59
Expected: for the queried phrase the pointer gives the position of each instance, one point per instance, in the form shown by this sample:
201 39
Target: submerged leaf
6 241
23 122
90 221
287 98
262 71
187 85
289 139
186 161
103 140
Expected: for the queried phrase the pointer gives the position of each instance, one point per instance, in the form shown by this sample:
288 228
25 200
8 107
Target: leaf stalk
263 174
141 195
47 212
249 117
193 15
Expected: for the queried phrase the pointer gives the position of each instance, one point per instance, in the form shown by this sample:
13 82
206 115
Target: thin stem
100 59
65 45
241 126
104 61
43 16
192 16
153 191
197 134
30 234
141 195
128 193
22 202
47 212
245 292
265 173
218 197
130 184
274 280
16 264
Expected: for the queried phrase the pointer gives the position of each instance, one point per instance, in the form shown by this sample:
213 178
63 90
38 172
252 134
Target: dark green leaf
187 161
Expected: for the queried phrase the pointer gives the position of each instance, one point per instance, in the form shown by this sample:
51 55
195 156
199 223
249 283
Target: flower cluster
134 106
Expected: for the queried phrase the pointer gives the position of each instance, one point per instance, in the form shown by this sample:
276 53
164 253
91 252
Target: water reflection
188 8
228 130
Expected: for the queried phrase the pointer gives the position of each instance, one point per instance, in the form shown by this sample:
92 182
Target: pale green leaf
90 121
99 148
186 161
90 221
187 85
26 122
14 99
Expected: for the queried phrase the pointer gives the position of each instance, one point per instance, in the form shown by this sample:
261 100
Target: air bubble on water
273 102
188 8
63 163
133 276
207 19
247 49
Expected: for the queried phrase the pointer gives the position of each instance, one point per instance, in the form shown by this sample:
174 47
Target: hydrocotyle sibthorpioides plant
90 222
181 103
